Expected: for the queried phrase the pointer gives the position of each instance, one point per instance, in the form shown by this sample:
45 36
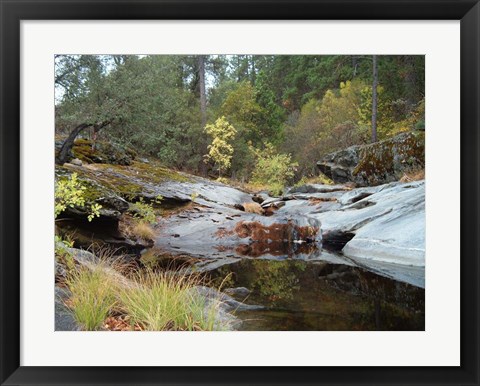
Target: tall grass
92 298
154 301
167 301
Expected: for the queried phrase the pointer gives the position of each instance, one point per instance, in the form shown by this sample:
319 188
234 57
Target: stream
303 295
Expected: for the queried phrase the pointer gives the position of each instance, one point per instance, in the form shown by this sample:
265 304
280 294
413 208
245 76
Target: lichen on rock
376 163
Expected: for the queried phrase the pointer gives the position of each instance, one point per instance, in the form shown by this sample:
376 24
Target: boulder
64 319
387 224
212 234
97 192
377 163
102 152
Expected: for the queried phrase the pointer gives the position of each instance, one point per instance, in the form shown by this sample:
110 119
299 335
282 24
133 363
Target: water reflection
301 295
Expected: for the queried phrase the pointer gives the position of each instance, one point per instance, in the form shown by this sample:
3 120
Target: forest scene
239 192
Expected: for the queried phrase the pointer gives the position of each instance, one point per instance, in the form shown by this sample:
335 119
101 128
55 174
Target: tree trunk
254 70
64 152
374 99
410 79
203 95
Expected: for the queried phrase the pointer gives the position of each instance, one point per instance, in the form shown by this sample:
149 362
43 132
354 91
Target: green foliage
241 108
94 211
70 193
273 115
273 169
324 126
220 151
385 120
145 211
306 105
62 253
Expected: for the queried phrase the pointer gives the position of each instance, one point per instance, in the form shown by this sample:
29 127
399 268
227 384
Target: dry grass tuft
414 175
253 207
143 231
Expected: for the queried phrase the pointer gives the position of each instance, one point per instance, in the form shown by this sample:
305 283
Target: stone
64 319
238 291
377 163
76 162
212 235
224 305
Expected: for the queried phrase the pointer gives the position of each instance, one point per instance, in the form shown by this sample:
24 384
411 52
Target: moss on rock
379 162
104 153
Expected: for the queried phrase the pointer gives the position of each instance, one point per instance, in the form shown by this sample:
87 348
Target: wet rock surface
204 232
382 224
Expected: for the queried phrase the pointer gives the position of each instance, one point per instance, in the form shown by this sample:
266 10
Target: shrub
223 180
144 210
273 169
220 150
70 193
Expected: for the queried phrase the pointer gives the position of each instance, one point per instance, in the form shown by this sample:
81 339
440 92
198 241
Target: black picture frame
12 12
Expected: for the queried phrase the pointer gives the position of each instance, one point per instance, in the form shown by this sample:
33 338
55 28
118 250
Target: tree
203 95
374 99
220 151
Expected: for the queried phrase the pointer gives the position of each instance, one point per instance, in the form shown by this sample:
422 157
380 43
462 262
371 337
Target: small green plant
94 211
144 210
194 196
69 193
62 253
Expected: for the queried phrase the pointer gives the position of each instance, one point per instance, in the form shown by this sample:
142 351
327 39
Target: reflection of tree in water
272 279
276 280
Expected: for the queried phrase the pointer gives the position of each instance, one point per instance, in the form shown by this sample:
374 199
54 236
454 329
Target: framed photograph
247 193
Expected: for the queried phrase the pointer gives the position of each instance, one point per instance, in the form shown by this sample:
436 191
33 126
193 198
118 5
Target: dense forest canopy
225 114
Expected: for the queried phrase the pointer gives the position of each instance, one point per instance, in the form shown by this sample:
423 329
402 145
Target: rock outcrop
382 227
377 163
102 153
